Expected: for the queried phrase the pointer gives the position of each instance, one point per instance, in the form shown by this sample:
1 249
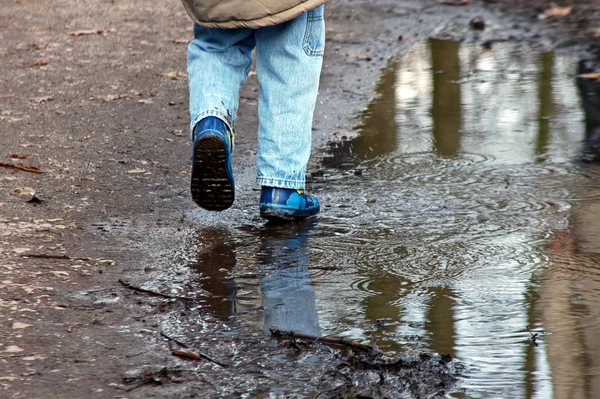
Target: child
289 38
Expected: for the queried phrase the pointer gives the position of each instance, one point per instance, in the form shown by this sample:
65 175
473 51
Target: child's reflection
215 259
288 297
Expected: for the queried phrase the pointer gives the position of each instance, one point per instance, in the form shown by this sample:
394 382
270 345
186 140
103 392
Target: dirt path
94 95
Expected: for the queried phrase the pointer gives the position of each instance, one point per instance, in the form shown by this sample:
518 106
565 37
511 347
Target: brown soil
94 95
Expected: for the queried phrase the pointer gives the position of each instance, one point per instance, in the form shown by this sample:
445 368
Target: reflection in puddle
511 106
284 291
470 222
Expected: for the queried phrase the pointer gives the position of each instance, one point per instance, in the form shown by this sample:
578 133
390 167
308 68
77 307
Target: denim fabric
288 64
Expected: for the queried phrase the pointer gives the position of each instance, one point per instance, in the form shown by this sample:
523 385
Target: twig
87 32
145 381
6 96
454 2
19 166
11 356
51 256
325 340
353 92
162 333
534 337
195 355
189 354
159 294
164 372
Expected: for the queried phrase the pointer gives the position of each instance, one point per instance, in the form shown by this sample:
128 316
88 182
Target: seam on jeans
294 184
311 17
275 178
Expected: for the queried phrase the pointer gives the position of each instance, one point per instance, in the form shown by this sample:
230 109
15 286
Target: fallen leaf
174 75
29 191
44 99
591 75
18 325
34 357
556 12
9 378
181 41
178 133
19 156
40 62
21 250
113 97
112 384
136 170
13 349
59 273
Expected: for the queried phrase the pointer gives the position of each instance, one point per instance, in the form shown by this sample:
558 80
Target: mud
114 257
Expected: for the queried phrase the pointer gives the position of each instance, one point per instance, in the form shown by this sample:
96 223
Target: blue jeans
288 64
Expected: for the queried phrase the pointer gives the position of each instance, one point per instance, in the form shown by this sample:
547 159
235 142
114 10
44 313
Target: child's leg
289 59
218 63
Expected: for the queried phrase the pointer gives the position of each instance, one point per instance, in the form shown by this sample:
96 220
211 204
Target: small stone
478 23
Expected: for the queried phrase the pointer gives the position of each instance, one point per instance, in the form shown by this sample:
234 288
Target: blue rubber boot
212 184
283 204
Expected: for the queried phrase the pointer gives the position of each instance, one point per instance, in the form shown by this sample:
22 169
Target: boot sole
280 215
211 187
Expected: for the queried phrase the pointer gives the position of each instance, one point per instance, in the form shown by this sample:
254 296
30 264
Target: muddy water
458 218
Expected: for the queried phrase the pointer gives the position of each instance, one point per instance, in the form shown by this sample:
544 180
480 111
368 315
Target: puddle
457 219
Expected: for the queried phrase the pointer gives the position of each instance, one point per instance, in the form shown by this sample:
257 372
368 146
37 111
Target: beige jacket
246 13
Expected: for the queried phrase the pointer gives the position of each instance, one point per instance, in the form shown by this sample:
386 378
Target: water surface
456 219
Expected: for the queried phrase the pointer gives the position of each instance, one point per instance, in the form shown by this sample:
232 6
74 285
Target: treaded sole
274 216
211 188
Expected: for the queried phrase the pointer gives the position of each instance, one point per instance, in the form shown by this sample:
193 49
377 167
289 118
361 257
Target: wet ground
458 243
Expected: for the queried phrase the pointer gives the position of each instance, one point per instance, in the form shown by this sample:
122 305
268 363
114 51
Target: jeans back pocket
314 38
